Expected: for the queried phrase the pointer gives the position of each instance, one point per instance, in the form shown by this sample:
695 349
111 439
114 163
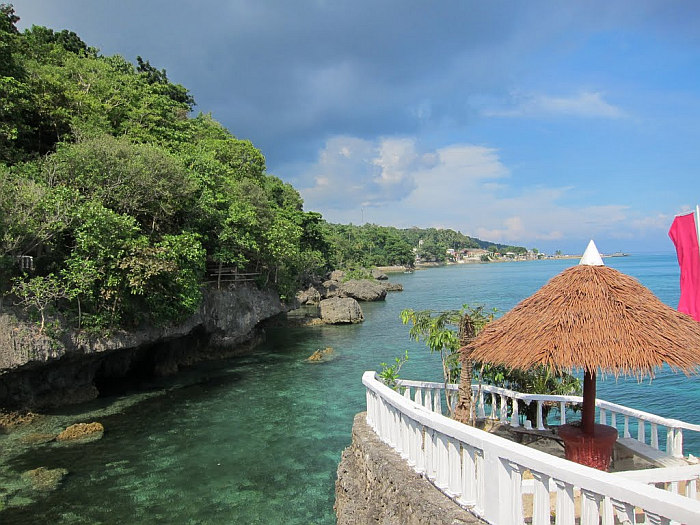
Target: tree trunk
464 412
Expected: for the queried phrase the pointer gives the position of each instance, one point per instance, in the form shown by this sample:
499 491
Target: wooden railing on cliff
489 474
217 273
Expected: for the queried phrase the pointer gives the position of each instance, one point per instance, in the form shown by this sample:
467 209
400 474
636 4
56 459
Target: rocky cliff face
375 485
40 370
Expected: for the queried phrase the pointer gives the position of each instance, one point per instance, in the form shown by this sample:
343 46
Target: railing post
468 496
540 421
565 503
454 482
590 505
510 496
562 413
515 417
641 437
540 500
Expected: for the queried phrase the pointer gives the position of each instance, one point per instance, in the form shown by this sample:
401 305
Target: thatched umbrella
593 318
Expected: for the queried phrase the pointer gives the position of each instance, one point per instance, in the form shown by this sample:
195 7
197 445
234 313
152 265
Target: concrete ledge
375 485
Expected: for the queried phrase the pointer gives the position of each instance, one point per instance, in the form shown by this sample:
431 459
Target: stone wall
375 485
38 370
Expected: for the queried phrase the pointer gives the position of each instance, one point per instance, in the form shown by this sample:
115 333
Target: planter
593 450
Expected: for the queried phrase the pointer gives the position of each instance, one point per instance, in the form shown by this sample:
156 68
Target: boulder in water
341 310
363 290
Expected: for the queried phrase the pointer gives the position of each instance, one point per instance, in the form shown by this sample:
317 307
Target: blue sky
543 124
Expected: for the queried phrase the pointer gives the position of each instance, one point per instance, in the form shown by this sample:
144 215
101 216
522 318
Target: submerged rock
322 356
43 479
82 432
341 310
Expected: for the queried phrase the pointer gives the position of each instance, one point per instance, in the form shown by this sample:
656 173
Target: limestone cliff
38 370
375 485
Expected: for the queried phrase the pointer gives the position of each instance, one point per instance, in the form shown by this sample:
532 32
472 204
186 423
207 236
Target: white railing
484 472
500 404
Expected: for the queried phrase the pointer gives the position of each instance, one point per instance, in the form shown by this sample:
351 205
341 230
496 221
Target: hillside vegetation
122 198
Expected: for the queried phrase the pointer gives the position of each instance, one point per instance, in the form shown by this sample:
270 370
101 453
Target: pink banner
684 234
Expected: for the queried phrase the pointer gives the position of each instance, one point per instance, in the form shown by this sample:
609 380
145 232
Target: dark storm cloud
288 73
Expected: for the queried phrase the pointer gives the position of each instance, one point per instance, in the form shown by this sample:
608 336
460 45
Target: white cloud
465 187
584 105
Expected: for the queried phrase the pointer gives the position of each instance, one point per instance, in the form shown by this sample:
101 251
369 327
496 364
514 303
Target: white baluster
418 396
480 411
480 482
407 392
494 407
540 503
603 417
428 399
469 481
429 454
641 437
540 421
562 413
504 409
442 474
691 488
613 419
608 514
515 417
678 443
420 436
654 436
590 503
454 482
412 443
438 402
624 511
403 435
565 503
510 493
627 427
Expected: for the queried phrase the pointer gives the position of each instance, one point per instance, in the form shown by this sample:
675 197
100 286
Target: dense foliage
121 198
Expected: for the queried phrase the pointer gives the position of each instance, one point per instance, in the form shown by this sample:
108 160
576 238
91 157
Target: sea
257 439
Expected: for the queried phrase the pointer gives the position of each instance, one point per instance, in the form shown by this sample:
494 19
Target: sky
540 124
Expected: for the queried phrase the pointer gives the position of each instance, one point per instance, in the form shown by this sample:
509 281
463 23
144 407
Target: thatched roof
593 318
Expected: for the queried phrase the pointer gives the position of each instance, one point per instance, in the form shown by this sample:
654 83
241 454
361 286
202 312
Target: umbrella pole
588 411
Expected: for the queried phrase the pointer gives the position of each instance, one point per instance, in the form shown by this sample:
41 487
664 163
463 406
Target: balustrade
486 473
502 405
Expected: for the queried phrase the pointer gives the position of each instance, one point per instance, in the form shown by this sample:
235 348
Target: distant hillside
373 245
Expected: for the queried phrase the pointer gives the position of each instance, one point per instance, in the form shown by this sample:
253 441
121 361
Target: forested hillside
114 198
121 197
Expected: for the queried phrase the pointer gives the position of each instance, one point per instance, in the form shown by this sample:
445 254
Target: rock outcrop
341 310
375 485
379 275
38 370
363 290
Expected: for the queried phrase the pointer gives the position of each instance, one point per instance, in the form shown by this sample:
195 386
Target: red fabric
684 235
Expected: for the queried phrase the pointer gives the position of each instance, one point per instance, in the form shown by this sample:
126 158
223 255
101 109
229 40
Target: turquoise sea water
257 439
